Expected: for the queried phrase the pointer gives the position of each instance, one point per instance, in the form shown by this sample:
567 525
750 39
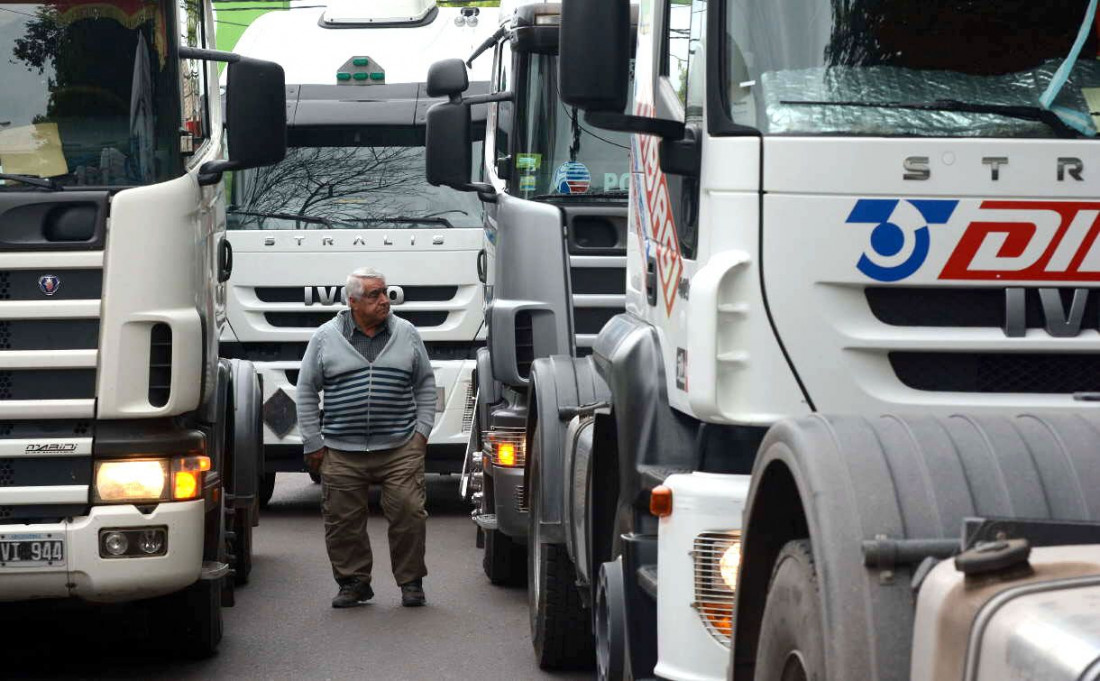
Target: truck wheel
610 628
504 560
792 643
560 626
267 489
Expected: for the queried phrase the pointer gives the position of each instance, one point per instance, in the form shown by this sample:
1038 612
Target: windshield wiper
308 219
616 194
399 219
43 182
329 222
1027 113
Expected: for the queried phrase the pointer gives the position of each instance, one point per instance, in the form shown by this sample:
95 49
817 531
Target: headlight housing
149 480
717 558
507 448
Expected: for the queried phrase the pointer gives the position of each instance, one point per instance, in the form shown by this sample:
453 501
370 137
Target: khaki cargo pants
345 478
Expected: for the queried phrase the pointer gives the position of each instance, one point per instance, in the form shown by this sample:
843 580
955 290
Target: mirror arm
491 41
486 193
211 171
208 55
506 96
641 125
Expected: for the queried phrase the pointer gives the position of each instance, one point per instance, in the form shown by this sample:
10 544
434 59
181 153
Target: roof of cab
311 48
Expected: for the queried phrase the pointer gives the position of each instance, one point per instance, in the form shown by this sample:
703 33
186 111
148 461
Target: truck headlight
136 481
507 447
131 481
717 557
729 565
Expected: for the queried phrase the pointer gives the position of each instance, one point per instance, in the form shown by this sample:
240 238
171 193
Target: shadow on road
67 639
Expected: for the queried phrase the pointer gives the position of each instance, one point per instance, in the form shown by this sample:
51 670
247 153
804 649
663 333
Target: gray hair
353 288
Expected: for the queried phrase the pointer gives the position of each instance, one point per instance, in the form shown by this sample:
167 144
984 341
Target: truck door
666 206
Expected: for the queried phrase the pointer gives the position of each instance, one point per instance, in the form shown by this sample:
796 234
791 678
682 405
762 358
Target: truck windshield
558 154
89 94
964 68
366 178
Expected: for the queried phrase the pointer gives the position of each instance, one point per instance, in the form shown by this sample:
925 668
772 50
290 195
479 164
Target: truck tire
610 624
792 641
560 625
504 560
267 489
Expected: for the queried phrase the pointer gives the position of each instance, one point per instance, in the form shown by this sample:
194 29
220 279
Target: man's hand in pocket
314 460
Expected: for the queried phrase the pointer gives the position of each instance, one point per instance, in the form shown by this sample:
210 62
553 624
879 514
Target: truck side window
683 59
682 63
502 83
193 86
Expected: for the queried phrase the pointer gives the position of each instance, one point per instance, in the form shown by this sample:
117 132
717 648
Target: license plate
31 550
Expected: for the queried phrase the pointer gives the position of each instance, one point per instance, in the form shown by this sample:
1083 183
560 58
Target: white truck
861 339
351 193
129 452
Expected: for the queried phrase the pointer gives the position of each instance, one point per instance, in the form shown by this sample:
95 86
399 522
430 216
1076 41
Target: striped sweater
368 406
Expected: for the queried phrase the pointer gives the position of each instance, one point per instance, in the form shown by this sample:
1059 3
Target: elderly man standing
379 410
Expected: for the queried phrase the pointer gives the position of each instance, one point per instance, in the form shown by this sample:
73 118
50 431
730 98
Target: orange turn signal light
187 477
506 454
660 501
720 617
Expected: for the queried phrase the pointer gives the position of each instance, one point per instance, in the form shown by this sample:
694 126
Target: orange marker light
187 478
185 485
660 501
506 454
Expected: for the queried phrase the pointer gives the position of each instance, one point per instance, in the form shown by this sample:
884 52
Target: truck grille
960 307
160 365
54 454
1062 373
49 339
525 342
413 294
311 320
468 408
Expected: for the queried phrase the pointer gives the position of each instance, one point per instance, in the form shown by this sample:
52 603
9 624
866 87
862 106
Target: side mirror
448 145
594 68
447 78
594 43
255 117
448 154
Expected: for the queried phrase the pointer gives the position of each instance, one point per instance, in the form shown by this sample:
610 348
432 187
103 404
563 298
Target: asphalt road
283 627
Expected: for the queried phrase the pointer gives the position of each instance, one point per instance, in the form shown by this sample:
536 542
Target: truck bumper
90 577
453 417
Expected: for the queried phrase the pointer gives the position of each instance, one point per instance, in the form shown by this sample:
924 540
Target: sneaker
412 594
352 594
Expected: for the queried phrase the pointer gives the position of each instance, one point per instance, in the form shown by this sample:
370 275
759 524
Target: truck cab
128 450
859 265
351 193
555 194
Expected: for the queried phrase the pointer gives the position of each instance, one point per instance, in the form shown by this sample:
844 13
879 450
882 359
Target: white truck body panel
701 502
